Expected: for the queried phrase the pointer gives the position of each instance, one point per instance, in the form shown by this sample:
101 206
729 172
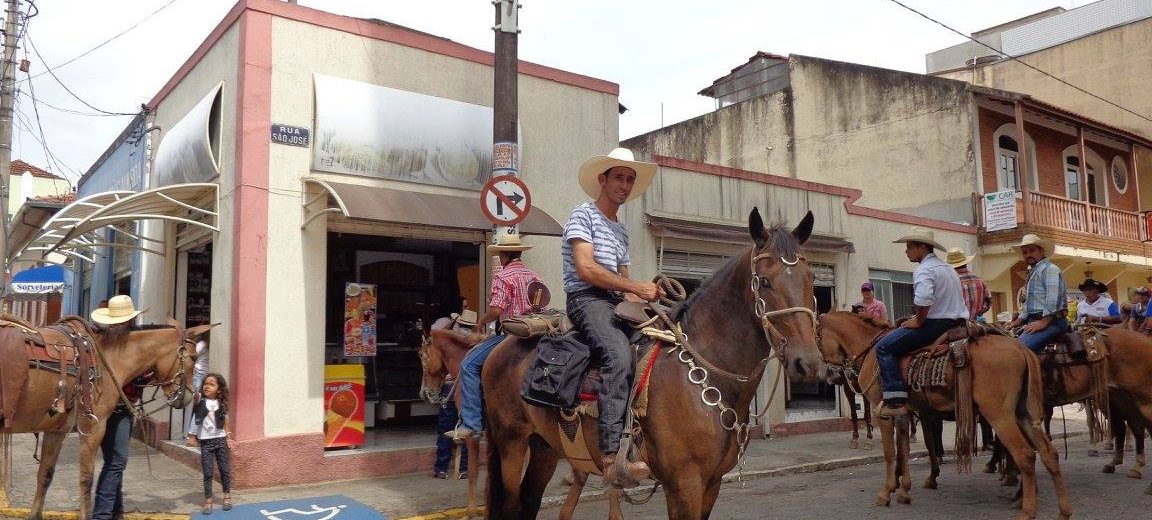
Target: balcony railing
1073 215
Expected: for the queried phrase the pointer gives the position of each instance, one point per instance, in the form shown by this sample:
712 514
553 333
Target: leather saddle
639 314
23 348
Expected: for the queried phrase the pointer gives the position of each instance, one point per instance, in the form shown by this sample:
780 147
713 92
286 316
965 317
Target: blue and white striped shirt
609 241
1047 294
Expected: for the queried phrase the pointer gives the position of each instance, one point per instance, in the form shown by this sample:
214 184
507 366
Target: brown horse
1124 416
440 356
118 357
1006 389
756 307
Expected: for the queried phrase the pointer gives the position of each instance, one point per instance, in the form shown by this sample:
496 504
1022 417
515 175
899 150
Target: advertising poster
1000 210
343 406
359 319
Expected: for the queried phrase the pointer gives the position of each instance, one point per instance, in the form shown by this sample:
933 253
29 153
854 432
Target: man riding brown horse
596 263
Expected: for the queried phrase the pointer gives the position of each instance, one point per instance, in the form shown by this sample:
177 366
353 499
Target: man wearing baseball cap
873 308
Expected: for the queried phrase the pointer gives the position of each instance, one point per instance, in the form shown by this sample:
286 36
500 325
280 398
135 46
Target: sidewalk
166 489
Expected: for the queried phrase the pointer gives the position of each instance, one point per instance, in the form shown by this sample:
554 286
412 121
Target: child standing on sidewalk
209 431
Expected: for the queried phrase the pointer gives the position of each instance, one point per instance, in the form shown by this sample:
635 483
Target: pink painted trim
250 223
394 34
851 195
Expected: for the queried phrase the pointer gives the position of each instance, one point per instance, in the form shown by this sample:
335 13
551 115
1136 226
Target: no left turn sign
505 200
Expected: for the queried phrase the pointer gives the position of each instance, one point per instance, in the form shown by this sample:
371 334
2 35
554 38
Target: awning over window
732 233
73 231
39 280
410 207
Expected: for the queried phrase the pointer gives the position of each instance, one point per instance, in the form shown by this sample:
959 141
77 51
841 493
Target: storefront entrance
412 282
808 401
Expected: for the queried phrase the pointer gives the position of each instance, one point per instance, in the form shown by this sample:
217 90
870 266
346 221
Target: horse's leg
1138 432
1051 460
986 434
868 422
50 443
913 421
887 433
851 396
684 493
997 455
506 458
614 511
710 495
579 479
472 444
1119 432
903 438
933 441
1017 445
542 460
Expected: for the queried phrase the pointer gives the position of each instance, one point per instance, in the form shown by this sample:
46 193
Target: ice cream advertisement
343 405
359 319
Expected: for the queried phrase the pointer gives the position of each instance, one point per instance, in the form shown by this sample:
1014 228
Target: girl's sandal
207 509
227 503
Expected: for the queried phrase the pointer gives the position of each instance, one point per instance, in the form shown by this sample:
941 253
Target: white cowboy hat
465 319
507 242
957 258
922 235
1033 240
597 164
119 310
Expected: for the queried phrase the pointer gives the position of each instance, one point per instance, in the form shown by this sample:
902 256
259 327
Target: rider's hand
1037 326
649 291
912 324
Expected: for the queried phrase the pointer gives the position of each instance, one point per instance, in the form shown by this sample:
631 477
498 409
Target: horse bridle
777 341
422 353
848 367
180 378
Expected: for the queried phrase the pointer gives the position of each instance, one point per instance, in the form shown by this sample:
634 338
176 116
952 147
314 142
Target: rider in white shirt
1096 307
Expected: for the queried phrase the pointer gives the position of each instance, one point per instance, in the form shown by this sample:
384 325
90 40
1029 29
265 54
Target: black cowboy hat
1089 283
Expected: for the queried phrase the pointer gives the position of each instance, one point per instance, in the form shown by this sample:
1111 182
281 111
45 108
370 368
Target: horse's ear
804 228
756 228
173 323
199 330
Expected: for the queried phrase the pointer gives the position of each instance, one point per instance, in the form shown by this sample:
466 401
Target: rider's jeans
591 312
901 341
117 440
471 397
1036 341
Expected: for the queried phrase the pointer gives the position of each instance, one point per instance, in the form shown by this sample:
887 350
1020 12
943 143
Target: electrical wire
32 44
49 70
1017 60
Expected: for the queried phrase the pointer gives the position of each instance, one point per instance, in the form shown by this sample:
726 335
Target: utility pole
7 102
505 145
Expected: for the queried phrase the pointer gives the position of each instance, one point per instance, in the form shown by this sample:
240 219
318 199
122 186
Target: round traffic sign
505 200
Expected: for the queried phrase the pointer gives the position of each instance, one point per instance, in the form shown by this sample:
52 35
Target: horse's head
843 337
432 363
169 353
783 296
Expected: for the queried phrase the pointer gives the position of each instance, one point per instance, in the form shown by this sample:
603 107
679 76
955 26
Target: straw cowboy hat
957 258
119 310
465 319
1033 240
507 242
597 164
922 235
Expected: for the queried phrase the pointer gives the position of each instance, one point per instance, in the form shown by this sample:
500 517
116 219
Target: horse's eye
765 284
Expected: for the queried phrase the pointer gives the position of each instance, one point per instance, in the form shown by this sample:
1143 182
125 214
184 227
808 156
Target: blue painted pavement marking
335 507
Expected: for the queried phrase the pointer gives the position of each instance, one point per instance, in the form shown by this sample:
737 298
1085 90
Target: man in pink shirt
873 308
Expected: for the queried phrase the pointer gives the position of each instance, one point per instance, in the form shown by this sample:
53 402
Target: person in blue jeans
939 301
444 423
516 290
1045 313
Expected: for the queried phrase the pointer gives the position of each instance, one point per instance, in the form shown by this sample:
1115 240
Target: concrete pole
505 142
7 102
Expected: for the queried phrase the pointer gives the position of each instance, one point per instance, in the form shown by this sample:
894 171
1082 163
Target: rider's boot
634 472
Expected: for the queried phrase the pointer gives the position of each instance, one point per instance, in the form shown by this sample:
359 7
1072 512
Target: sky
660 52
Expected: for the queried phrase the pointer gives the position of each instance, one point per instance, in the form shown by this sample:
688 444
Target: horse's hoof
854 444
1010 481
903 498
930 484
1109 468
989 468
1135 474
883 500
1108 446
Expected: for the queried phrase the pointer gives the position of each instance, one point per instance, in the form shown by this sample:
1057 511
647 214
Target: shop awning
73 231
684 227
410 207
39 280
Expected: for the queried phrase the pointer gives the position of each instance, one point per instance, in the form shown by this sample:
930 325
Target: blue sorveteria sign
290 135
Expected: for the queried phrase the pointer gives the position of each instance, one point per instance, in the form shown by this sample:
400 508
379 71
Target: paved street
848 493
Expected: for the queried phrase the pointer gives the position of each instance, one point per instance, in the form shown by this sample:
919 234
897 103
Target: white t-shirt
201 366
1104 307
207 428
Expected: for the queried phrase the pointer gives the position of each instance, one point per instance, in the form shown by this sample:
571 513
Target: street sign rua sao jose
505 200
290 135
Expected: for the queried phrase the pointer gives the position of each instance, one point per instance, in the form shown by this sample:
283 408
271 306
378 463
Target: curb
24 512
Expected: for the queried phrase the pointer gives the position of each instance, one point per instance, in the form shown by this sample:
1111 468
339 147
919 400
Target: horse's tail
495 501
1032 398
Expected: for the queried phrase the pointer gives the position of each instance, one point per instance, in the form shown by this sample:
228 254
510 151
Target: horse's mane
458 338
866 319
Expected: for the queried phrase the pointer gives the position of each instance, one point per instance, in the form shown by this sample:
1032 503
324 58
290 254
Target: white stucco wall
41 187
561 126
220 63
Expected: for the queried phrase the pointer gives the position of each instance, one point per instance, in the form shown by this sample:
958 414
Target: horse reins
850 369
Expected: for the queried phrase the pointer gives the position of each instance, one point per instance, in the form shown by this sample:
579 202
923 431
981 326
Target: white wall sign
1000 210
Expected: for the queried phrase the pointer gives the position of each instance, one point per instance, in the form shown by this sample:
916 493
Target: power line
105 42
1017 60
57 78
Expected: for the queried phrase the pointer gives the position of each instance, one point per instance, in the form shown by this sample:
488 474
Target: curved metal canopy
73 231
